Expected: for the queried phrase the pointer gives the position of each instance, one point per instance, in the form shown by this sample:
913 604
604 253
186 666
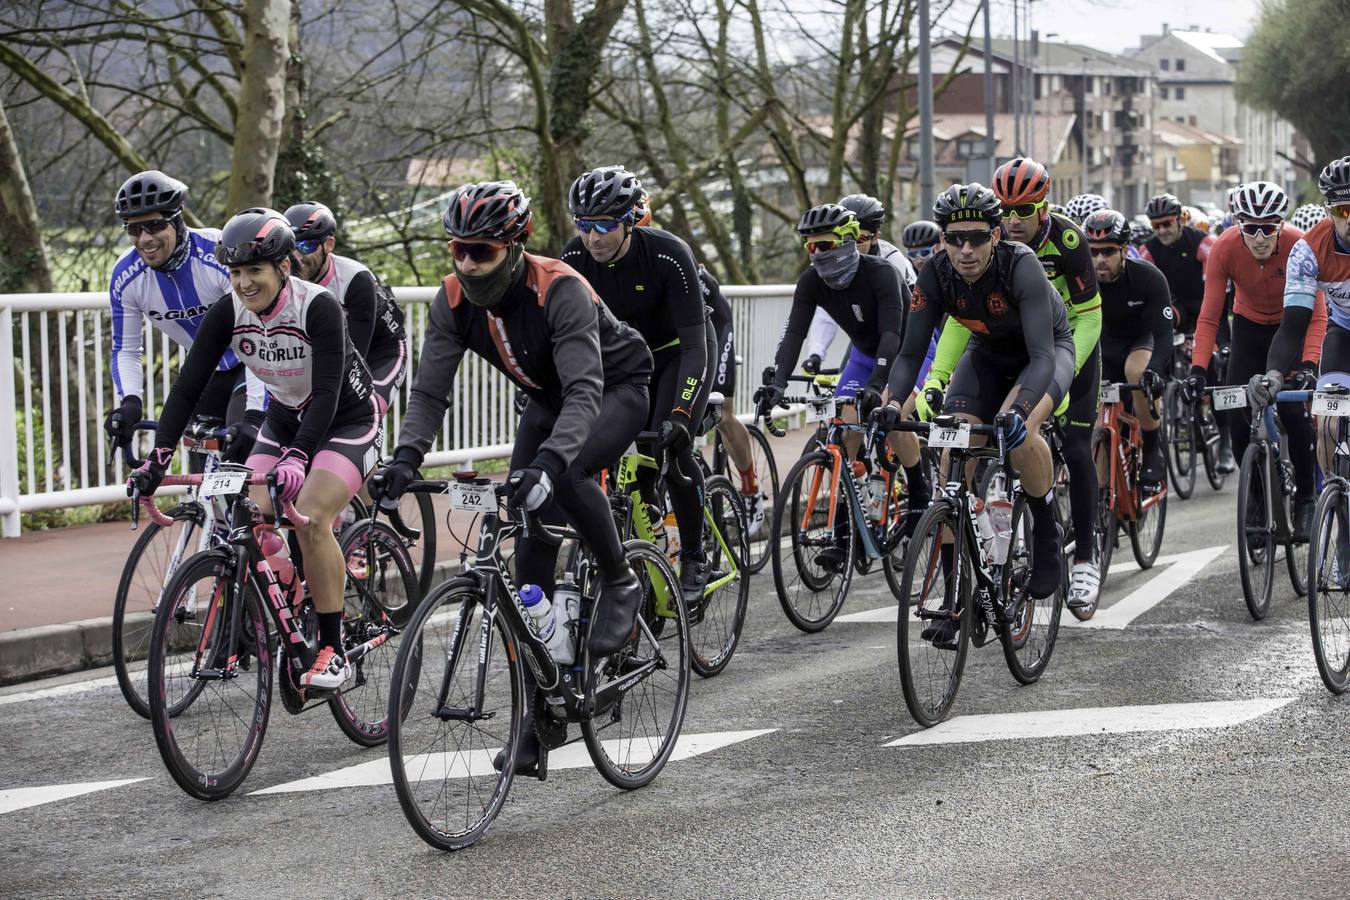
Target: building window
1162 92
1164 64
1181 65
1181 93
1181 119
965 148
1192 120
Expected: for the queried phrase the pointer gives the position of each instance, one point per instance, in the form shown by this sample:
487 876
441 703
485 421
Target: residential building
1195 164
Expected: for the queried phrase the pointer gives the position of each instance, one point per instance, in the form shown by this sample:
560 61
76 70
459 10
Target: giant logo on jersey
173 315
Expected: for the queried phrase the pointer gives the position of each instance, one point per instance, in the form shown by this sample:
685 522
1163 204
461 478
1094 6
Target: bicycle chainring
292 697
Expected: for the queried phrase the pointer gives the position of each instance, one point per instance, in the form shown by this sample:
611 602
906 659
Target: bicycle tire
762 457
1106 528
813 616
1150 523
1256 562
929 687
1331 651
411 707
1210 428
1179 421
721 618
172 732
372 611
632 772
1296 561
131 640
1029 641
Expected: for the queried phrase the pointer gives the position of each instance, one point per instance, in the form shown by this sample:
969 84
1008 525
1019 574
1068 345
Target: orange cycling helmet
1022 180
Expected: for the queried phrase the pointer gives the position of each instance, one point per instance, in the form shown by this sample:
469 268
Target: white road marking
1148 595
12 799
880 614
60 690
434 766
1093 720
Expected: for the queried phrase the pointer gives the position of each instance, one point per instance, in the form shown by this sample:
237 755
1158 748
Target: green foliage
1296 63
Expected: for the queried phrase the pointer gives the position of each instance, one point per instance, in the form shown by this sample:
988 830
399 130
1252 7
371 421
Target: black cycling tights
685 501
578 496
1251 344
1079 421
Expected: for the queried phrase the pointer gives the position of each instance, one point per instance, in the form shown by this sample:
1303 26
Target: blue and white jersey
174 302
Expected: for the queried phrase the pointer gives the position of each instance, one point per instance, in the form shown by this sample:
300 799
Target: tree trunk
24 266
262 104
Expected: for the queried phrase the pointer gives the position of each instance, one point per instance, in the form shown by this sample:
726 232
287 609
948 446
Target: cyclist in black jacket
648 278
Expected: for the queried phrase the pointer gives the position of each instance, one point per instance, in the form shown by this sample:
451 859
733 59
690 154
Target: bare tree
23 254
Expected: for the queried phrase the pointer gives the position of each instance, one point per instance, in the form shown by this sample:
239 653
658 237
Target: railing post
9 434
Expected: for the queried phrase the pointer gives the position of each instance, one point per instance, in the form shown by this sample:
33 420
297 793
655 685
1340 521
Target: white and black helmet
1334 181
1084 205
1260 200
1308 215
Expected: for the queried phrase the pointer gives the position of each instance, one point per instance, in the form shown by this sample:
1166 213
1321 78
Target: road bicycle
765 467
228 623
1191 424
1329 545
965 580
458 700
1265 499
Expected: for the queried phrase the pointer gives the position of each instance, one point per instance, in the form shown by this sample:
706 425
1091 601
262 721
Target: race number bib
820 410
1331 404
470 497
950 436
218 483
1110 393
1229 398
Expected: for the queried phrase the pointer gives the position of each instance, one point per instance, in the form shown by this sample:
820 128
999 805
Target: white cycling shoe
754 513
1084 585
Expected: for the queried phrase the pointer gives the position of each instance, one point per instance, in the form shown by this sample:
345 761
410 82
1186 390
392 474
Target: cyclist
1140 232
865 295
733 431
374 319
1307 215
537 321
321 435
1022 185
1254 258
1180 251
921 239
871 216
649 280
1136 328
171 276
1319 261
1081 206
1019 360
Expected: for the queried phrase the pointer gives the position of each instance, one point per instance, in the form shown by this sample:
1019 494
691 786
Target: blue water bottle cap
531 594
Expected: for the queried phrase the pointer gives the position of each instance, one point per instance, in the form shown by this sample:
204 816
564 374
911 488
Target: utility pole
989 143
927 189
1015 85
1083 127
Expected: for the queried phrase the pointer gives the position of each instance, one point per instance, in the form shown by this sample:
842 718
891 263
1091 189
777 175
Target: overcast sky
1115 25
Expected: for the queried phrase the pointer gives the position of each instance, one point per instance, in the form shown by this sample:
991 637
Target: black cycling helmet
311 221
1140 232
610 191
921 234
255 235
1334 182
871 214
968 203
490 210
1162 206
1107 225
150 192
830 217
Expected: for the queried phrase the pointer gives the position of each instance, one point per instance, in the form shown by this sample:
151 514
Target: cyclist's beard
180 249
838 266
488 290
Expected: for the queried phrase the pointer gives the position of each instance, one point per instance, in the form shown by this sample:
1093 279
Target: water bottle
983 525
672 532
1000 517
876 497
271 545
554 636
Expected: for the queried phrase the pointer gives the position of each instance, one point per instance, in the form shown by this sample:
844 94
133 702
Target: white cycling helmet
1260 200
1083 205
1308 215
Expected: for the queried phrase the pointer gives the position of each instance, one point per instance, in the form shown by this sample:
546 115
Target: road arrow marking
1120 614
12 799
442 765
1095 720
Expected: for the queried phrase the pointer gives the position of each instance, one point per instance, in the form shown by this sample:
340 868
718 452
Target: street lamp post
927 188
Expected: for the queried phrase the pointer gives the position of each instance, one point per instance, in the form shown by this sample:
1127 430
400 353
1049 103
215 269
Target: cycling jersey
1011 312
654 287
723 362
871 310
174 301
1136 312
823 328
1259 289
299 350
1183 264
550 334
1320 261
1062 249
374 319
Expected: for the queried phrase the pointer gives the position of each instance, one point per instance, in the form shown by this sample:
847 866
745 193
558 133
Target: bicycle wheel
810 590
930 676
380 595
1256 553
1106 528
154 558
1329 588
761 537
1029 638
418 511
1209 431
894 544
1146 530
1295 554
715 628
457 699
639 695
1179 420
209 743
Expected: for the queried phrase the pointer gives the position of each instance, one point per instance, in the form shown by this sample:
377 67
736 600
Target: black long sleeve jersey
550 334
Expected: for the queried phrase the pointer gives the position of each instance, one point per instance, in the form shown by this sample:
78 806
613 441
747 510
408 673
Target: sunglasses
1023 210
604 226
1259 229
1338 212
136 229
1103 251
1164 223
973 238
305 248
921 252
478 251
821 246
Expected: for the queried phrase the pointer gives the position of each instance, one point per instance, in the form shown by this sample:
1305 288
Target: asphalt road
1245 794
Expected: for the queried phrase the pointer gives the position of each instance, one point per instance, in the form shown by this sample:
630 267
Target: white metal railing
56 389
